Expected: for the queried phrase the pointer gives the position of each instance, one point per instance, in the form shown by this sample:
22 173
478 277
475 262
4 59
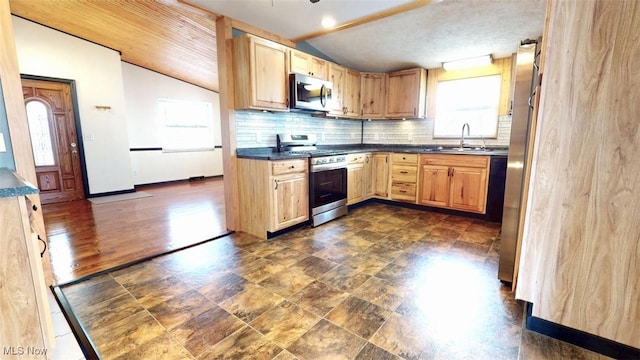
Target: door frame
76 113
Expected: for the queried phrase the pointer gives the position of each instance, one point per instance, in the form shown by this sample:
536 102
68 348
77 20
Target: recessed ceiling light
328 22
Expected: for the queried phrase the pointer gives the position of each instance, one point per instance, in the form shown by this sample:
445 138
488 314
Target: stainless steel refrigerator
522 133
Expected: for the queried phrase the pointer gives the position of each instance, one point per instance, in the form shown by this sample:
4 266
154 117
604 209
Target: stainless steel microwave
309 94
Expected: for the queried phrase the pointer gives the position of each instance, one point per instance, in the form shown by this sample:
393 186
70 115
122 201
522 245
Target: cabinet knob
34 207
292 167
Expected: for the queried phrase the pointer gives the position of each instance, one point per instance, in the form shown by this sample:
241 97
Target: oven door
327 186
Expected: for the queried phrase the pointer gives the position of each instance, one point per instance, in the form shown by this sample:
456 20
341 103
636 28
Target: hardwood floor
86 238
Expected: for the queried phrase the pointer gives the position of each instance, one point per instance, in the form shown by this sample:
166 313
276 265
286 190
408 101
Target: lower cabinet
456 182
273 195
26 316
356 177
381 175
404 177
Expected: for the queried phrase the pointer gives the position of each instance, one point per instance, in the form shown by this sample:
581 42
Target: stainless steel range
327 177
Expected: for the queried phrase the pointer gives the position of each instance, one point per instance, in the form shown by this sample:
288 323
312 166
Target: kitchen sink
464 150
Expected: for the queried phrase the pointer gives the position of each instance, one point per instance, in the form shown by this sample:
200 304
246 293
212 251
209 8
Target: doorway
57 150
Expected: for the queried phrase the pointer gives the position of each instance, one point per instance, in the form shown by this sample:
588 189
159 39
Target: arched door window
41 141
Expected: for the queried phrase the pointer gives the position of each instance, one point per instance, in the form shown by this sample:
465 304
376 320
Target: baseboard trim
580 338
110 193
191 179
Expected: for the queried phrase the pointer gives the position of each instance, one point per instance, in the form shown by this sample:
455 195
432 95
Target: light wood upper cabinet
337 76
260 74
406 94
458 182
346 91
373 93
352 94
303 63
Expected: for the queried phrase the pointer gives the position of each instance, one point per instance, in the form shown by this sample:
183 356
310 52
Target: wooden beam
262 33
366 19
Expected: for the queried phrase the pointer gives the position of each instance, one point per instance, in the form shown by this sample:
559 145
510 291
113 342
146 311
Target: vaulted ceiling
177 37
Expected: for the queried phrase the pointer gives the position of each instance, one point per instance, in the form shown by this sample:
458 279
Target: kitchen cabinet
26 315
360 177
260 74
273 195
404 177
303 63
457 182
369 176
373 92
356 177
338 77
406 94
381 175
346 91
352 94
579 263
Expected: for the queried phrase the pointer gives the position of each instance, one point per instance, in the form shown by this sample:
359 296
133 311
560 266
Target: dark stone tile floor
384 282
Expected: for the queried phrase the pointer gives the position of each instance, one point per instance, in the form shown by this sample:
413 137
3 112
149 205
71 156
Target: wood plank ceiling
168 37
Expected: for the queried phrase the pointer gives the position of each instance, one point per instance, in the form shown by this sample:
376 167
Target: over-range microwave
309 94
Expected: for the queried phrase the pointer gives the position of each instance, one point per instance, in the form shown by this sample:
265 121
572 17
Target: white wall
142 89
98 75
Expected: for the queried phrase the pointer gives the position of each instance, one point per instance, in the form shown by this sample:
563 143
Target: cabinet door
318 68
381 178
299 62
373 89
406 91
338 76
369 176
434 185
468 189
290 200
269 75
352 94
355 183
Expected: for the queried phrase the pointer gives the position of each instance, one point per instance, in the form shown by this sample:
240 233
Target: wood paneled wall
580 263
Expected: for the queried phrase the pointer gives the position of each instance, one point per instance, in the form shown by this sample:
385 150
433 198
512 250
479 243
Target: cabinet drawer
404 158
288 166
355 158
403 190
478 161
405 173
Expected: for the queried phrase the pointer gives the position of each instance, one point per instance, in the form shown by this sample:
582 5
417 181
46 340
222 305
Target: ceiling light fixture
328 22
467 63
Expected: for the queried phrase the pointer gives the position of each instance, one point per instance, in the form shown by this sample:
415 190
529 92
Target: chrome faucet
462 136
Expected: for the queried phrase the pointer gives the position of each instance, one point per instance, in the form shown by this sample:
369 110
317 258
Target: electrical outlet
376 137
410 137
258 137
322 136
353 136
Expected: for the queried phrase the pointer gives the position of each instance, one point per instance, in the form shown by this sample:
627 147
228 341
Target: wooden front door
54 140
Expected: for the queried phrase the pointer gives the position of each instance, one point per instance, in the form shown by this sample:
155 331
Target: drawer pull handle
404 172
403 191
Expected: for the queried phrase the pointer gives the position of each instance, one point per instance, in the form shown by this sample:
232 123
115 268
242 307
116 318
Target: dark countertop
13 185
270 153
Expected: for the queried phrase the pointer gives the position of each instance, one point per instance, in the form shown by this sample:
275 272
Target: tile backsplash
259 129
